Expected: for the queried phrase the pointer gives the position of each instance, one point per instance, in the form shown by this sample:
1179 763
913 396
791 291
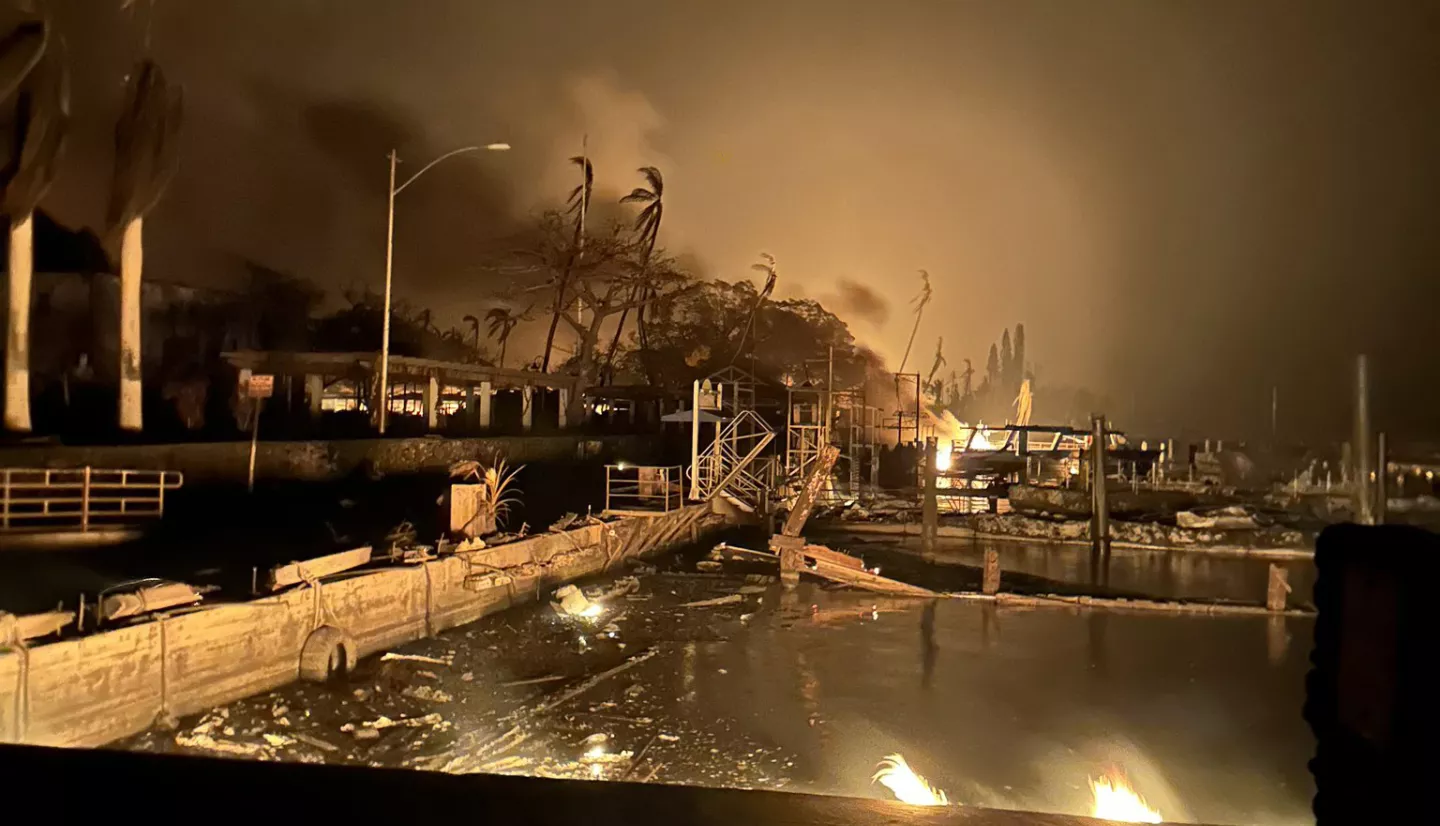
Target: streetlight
389 260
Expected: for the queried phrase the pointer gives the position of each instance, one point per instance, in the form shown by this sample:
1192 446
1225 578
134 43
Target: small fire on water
1115 800
908 787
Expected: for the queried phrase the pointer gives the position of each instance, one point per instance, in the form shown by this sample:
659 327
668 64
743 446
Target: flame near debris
1115 800
908 787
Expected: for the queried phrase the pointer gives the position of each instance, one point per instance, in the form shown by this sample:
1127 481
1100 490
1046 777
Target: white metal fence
81 499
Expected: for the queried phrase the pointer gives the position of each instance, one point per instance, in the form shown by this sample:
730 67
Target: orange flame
1115 800
908 787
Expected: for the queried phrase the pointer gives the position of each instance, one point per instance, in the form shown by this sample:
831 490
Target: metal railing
83 499
643 488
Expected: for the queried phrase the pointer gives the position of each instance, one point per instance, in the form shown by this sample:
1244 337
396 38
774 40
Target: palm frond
638 196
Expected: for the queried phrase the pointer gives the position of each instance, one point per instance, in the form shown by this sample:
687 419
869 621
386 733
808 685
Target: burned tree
146 143
34 90
616 275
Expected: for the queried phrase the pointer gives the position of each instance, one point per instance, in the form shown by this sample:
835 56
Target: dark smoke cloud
854 301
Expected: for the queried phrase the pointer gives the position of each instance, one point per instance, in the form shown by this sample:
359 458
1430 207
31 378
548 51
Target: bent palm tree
647 227
474 330
32 69
580 205
502 323
772 275
919 301
145 161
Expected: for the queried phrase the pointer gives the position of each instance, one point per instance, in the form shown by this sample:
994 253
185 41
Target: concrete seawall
319 461
91 690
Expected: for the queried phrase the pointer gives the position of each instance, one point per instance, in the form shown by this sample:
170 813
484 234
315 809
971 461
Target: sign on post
260 386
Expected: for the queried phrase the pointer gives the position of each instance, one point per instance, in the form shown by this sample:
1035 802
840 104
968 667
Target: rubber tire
329 654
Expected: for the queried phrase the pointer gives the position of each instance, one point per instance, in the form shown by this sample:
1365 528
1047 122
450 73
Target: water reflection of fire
1115 800
907 786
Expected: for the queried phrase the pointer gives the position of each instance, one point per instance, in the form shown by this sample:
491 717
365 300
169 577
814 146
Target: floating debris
414 658
729 599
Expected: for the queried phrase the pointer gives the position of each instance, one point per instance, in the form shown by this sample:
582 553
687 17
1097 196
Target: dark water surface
809 689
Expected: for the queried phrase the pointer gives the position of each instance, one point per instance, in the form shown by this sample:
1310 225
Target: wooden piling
1279 588
930 509
991 583
1382 471
1099 504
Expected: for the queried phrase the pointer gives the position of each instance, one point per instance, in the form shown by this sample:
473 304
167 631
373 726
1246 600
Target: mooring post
991 582
1279 588
1099 505
1364 500
930 508
1382 470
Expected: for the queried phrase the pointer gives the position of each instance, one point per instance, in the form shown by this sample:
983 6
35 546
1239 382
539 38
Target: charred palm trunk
32 74
559 308
17 345
132 258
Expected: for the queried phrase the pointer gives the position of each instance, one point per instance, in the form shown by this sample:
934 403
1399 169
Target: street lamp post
389 263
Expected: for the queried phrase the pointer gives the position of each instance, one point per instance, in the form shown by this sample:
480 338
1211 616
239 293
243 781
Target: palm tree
145 161
580 205
772 275
502 324
33 71
919 301
647 227
474 329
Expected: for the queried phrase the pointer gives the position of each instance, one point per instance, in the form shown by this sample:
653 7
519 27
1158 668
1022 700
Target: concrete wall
318 461
92 690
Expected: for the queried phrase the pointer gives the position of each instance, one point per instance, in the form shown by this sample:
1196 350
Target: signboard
260 386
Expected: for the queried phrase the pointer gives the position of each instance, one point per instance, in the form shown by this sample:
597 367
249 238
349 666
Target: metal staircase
732 467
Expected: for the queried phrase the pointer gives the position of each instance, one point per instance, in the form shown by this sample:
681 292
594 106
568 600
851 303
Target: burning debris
1115 800
908 787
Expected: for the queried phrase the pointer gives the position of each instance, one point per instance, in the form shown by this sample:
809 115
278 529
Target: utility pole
385 324
1275 415
1364 502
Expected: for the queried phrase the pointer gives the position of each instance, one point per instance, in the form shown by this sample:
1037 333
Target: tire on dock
329 654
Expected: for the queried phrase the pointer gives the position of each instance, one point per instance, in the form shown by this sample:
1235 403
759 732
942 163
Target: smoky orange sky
1186 203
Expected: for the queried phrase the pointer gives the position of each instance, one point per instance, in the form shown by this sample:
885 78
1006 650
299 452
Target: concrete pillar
1364 486
469 405
432 403
315 393
564 401
527 410
486 397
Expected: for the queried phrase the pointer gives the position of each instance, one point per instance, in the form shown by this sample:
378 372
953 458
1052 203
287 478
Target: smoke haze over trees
1186 207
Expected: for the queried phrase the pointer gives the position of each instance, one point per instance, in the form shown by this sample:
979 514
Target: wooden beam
805 502
296 572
